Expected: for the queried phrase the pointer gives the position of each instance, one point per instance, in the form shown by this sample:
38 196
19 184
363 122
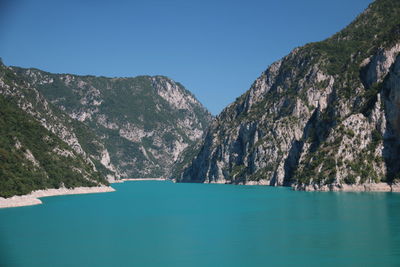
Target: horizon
203 46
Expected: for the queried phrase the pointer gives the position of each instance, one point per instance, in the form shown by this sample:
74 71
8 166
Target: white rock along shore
33 197
368 187
138 179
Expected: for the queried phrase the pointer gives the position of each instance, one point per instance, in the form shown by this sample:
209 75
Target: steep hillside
36 150
143 123
61 130
324 117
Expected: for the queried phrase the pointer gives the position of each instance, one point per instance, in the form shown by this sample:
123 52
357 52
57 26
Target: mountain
40 147
103 128
143 122
325 117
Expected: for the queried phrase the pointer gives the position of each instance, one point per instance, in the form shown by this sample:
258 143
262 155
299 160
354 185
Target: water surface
154 223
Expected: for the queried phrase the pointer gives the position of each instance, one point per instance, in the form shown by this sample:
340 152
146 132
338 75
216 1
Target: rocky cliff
324 117
89 130
143 123
40 147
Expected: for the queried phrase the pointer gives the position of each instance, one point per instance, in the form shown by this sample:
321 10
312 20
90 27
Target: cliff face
142 123
324 117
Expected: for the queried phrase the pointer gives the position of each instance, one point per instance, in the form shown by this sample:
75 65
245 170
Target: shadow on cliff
391 137
316 131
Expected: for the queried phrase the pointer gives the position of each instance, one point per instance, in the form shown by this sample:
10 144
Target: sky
215 48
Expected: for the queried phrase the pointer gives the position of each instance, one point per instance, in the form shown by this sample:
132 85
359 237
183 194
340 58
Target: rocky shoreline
33 197
138 179
368 187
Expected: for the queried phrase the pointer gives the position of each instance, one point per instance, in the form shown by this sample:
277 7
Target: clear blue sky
215 48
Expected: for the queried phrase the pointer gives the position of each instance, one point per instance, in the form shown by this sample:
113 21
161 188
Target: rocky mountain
143 123
103 128
325 117
40 147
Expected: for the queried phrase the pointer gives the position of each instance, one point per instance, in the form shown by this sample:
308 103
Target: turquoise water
164 224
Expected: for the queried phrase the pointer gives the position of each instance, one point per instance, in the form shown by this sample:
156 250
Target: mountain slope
143 122
62 130
323 117
33 156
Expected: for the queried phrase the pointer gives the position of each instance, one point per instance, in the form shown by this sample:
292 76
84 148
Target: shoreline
138 179
368 187
33 198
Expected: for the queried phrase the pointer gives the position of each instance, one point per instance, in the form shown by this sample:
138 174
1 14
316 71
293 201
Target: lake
154 223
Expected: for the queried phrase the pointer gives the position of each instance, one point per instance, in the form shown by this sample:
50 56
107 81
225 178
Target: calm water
164 224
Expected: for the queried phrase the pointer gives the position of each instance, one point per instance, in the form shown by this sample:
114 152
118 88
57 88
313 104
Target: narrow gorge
325 117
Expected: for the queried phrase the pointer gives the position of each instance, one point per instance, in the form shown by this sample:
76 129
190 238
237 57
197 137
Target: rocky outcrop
325 117
141 124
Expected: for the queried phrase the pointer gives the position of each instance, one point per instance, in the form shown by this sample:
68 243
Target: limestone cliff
40 147
143 123
324 117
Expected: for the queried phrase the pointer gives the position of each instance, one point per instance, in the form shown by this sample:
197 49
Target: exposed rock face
140 124
326 116
88 131
75 134
40 147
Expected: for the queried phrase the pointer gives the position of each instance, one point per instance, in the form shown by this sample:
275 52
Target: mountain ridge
122 127
127 112
290 127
